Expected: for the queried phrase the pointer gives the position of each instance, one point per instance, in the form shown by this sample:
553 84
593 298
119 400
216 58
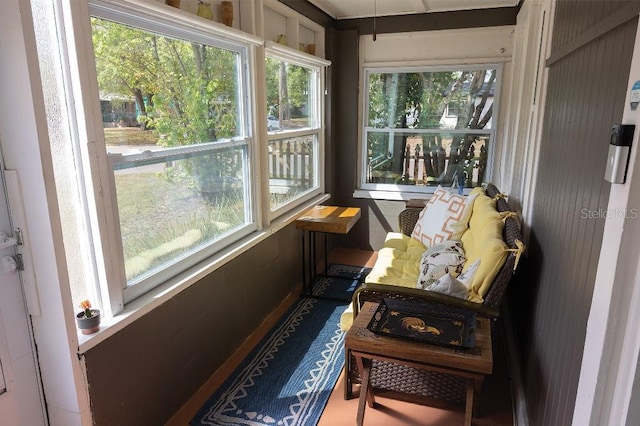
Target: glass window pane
181 92
407 158
429 126
292 168
432 100
290 96
160 95
169 209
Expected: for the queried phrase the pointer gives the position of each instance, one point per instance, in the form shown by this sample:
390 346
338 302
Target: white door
21 401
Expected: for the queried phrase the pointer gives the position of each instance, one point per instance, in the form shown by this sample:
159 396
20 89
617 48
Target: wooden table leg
477 383
366 394
468 410
348 383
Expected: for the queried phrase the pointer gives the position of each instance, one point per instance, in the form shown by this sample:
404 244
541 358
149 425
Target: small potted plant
88 320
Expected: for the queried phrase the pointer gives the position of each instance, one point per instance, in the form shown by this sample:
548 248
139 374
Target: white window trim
152 157
287 53
168 18
83 91
406 192
81 97
296 57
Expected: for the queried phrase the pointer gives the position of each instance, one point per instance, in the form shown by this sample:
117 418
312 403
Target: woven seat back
407 219
501 202
510 233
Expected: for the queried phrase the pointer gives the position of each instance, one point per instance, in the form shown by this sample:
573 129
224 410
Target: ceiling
349 9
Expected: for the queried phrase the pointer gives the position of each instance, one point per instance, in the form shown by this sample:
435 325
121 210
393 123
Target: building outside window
428 126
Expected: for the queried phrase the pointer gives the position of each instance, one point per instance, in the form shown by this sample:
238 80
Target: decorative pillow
445 258
456 287
445 217
466 277
447 284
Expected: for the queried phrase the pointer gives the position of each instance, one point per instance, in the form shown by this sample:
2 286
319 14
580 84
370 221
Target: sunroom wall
145 372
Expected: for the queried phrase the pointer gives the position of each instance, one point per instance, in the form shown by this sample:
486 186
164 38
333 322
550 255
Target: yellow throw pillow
483 240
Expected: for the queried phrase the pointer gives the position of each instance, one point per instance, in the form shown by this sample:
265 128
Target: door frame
23 383
27 150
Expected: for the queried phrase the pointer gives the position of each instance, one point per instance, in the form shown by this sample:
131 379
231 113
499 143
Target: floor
495 398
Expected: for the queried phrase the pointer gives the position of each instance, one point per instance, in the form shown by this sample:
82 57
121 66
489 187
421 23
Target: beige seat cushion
398 264
398 261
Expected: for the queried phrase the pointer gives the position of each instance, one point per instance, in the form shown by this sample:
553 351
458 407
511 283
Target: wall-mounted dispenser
618 158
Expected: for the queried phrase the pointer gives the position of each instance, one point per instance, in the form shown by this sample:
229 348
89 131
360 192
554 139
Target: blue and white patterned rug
288 378
340 289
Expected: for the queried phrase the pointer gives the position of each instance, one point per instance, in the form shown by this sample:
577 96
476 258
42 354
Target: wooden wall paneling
602 407
579 246
575 234
585 90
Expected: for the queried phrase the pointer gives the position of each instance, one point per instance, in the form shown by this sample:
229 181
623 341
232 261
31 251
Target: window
178 140
160 137
428 126
294 117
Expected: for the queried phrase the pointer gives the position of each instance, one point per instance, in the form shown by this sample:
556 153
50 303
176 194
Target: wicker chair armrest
376 292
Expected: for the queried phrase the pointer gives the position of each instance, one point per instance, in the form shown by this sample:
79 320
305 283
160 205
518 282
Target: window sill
156 297
396 195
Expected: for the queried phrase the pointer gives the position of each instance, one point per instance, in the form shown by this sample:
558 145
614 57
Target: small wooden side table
367 346
323 219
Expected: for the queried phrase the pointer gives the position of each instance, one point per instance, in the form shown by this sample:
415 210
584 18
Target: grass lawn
141 210
170 210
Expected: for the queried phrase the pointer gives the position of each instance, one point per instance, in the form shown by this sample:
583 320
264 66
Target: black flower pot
88 325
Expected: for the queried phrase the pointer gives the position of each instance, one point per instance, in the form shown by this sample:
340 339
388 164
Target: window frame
405 192
83 176
104 221
284 53
182 262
